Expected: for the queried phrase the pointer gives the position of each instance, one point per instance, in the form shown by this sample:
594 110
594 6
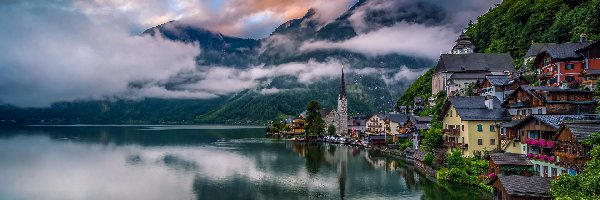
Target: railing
541 157
452 131
541 143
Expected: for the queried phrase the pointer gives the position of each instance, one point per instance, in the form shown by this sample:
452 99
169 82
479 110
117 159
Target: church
339 117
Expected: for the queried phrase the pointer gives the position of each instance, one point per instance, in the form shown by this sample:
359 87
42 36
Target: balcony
540 143
541 157
452 131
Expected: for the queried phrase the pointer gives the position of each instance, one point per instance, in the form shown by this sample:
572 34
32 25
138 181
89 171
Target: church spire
342 85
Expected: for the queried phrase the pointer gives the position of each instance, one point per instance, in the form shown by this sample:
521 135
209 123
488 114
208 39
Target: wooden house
572 153
528 100
506 163
520 188
499 85
563 63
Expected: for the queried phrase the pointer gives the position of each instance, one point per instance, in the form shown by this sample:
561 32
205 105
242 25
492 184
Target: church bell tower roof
342 85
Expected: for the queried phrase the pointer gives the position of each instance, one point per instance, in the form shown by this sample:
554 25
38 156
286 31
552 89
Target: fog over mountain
231 56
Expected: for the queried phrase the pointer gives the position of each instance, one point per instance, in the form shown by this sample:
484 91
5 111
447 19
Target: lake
199 162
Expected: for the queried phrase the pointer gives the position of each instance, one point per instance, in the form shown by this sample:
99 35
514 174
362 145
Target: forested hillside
513 25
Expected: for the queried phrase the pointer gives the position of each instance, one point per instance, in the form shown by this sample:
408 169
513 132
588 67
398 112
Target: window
524 148
543 83
569 78
479 128
537 168
554 172
463 127
539 111
555 68
552 81
571 97
518 112
479 141
492 141
570 66
545 171
492 128
514 144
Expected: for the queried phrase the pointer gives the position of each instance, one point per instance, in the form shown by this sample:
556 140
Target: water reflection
187 163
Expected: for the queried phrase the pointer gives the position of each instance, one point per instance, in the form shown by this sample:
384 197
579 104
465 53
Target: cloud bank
430 27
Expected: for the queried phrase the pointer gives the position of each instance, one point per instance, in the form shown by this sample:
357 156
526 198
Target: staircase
504 144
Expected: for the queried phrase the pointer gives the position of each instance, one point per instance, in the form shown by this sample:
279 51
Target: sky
68 50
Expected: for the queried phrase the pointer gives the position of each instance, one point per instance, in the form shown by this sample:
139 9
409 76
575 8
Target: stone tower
342 109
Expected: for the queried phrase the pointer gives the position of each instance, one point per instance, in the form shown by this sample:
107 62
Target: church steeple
342 86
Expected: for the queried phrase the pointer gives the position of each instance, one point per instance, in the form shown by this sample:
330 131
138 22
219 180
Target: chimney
489 102
582 38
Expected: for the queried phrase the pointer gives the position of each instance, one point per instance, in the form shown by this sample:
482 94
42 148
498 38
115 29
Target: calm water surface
198 162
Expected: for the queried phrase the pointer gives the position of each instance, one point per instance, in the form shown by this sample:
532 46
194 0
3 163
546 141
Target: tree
331 129
585 185
432 138
314 122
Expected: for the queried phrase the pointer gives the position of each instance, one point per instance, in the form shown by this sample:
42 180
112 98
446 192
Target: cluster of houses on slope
541 127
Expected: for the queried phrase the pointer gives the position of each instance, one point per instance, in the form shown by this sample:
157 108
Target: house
572 153
559 64
470 123
297 125
590 78
591 71
527 100
357 125
532 52
454 72
499 86
418 105
376 124
537 141
520 187
395 122
505 163
415 126
328 116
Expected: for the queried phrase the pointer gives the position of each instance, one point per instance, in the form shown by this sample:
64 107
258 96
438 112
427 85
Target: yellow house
470 123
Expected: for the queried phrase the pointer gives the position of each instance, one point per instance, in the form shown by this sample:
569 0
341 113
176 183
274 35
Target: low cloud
52 55
427 28
403 38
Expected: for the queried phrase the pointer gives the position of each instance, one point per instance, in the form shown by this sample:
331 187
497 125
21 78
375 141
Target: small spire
342 85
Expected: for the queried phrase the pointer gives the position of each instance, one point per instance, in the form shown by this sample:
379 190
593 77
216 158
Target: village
527 120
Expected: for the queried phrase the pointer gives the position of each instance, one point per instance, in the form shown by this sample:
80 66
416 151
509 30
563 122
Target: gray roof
556 120
498 80
509 124
494 62
564 50
533 186
535 49
421 122
470 75
593 71
398 118
510 159
588 46
582 129
473 102
473 108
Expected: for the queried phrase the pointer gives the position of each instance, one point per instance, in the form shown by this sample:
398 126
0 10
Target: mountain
367 92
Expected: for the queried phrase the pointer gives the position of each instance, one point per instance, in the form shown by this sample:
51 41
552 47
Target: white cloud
54 55
403 38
